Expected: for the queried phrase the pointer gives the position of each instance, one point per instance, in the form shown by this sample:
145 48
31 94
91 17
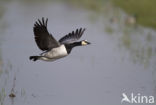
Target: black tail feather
34 58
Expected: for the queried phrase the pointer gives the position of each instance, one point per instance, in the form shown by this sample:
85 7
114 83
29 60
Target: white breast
55 53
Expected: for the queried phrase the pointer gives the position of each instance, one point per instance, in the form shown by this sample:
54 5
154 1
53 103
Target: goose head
85 42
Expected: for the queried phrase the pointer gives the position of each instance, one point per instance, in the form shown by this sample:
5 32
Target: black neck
75 44
72 45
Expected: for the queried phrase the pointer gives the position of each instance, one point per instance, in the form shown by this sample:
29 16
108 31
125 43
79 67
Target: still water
120 59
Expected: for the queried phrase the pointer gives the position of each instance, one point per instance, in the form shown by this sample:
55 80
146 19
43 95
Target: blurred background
121 58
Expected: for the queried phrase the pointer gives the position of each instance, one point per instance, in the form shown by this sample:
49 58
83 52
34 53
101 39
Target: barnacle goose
51 48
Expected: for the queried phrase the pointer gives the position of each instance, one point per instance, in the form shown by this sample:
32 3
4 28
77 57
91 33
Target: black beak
88 43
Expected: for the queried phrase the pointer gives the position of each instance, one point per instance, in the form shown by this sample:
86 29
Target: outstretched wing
44 40
72 37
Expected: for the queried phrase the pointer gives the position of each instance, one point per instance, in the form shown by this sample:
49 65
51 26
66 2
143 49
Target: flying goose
53 49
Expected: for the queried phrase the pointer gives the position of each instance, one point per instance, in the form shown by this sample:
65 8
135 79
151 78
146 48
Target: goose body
53 49
54 54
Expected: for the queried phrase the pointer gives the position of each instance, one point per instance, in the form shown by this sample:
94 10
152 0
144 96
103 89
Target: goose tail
34 58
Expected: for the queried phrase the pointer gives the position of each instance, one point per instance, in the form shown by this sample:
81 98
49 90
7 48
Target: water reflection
93 75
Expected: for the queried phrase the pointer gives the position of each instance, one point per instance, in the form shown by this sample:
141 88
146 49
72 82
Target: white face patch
83 43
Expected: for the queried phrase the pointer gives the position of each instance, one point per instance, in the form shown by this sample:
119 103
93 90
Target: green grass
144 9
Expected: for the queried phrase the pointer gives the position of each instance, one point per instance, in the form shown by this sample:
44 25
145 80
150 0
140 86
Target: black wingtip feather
80 30
76 31
41 22
74 35
44 21
83 31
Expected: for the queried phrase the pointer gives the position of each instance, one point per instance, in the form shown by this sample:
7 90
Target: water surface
92 75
